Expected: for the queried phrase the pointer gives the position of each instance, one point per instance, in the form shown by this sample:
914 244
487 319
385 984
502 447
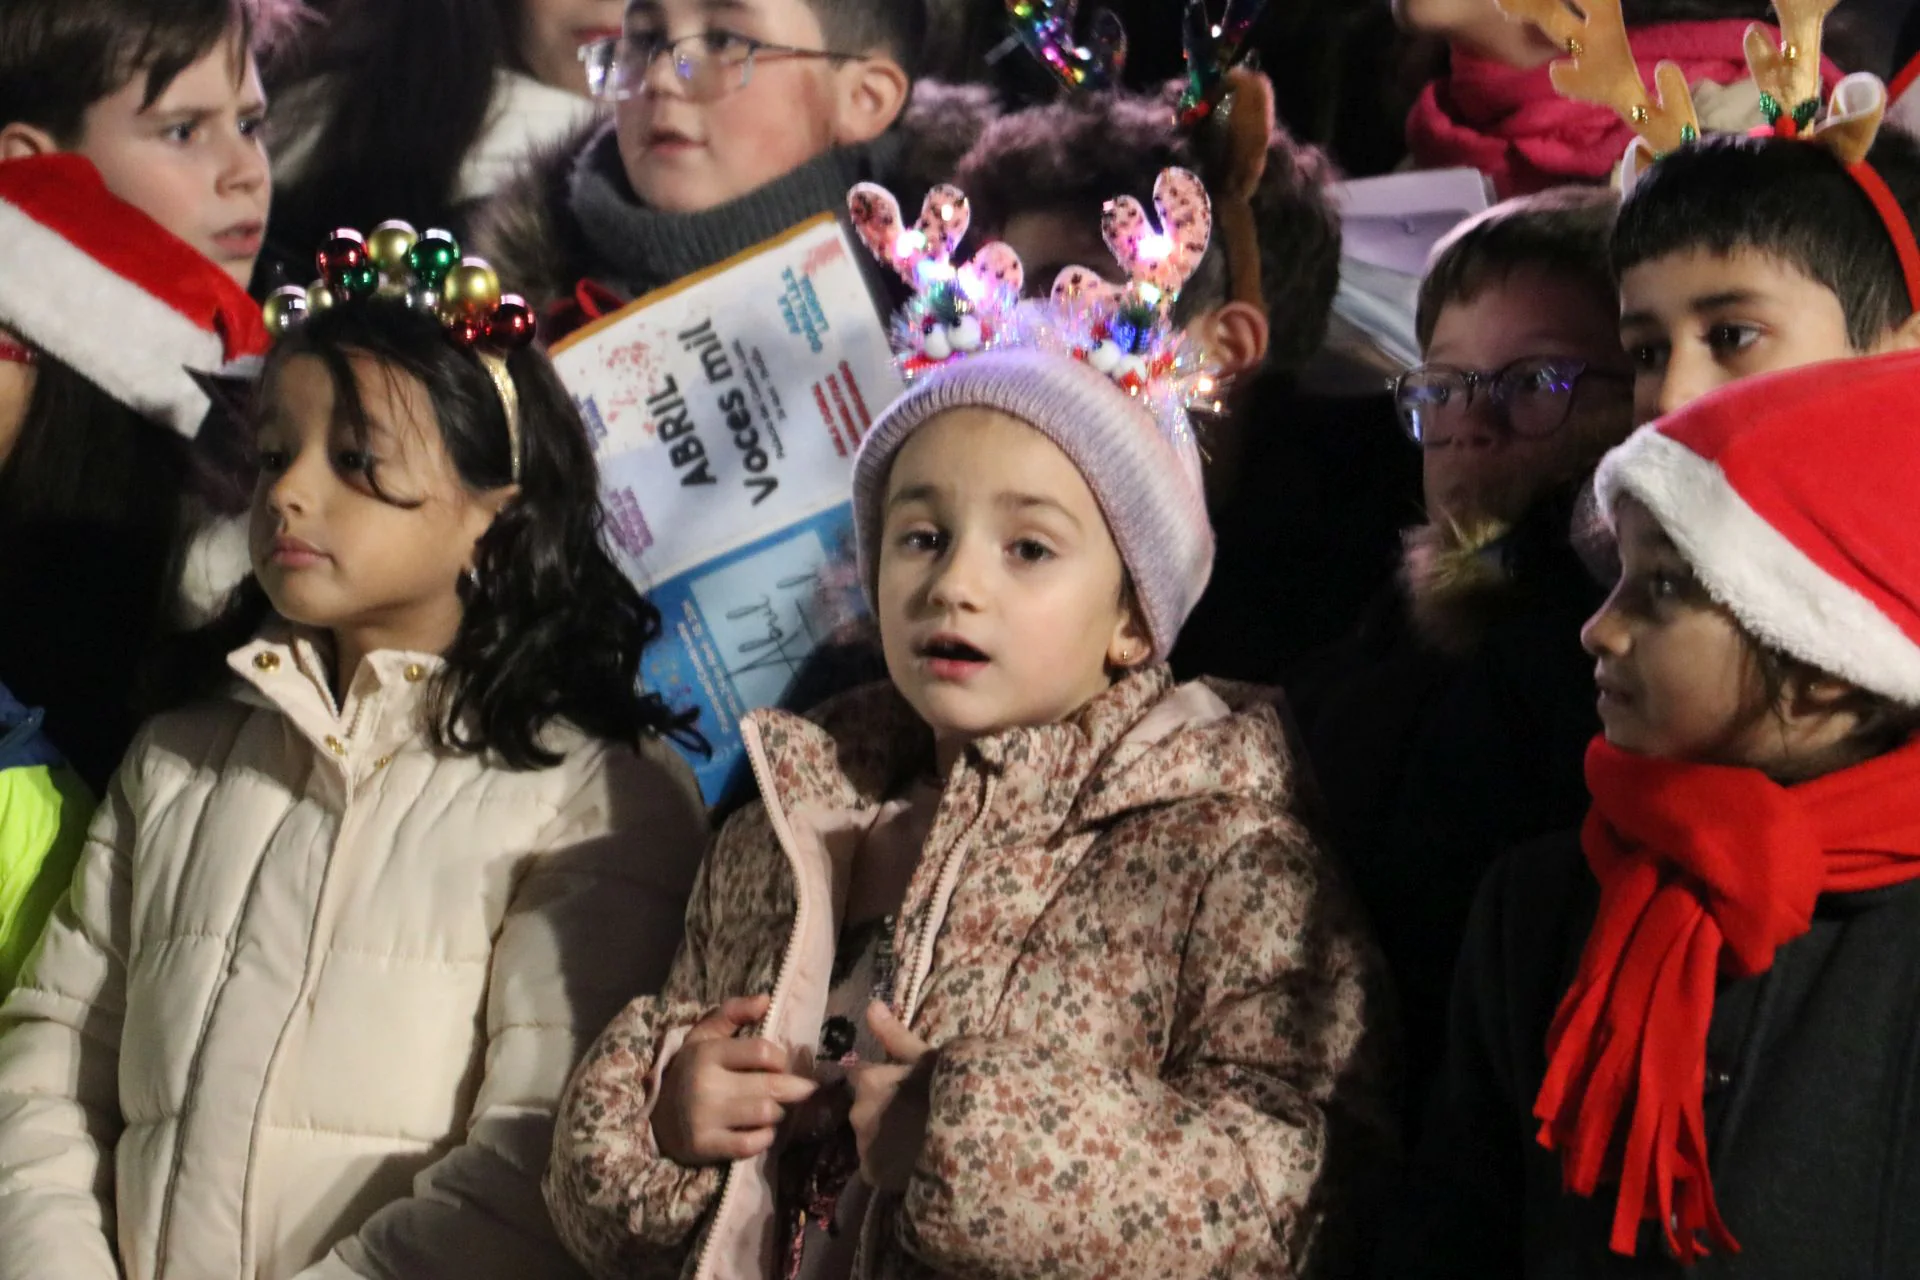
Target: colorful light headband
1125 332
430 275
1045 27
1599 68
1213 52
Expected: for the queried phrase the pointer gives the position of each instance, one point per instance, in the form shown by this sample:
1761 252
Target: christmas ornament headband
428 272
1214 50
1599 68
1045 27
1123 331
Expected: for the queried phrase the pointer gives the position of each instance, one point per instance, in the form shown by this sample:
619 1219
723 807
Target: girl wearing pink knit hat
1041 970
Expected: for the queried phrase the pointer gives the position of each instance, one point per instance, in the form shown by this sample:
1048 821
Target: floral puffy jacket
1162 1043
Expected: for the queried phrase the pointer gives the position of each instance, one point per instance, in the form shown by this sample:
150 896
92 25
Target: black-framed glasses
708 64
1530 397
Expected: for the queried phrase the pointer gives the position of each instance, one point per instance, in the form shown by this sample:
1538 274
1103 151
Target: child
44 809
366 128
342 927
1740 255
1100 1005
731 124
1728 943
133 193
1450 724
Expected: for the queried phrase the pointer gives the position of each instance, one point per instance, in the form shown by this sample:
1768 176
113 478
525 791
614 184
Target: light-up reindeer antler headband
1127 331
955 311
1599 68
429 274
1214 50
1046 28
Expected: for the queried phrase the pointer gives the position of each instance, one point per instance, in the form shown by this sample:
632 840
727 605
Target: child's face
1000 600
1473 465
686 152
1677 678
329 551
193 161
552 31
1695 320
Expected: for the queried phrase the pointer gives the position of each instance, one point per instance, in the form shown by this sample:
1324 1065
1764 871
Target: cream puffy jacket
317 988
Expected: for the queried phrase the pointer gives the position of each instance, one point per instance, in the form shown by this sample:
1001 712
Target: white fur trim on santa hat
1770 585
122 338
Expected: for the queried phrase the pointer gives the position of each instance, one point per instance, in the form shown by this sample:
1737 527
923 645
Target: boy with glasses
1451 726
733 120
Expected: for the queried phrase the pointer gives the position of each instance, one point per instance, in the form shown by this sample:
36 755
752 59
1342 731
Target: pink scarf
1511 125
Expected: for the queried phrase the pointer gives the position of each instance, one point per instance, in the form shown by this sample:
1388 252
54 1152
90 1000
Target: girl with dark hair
353 913
422 109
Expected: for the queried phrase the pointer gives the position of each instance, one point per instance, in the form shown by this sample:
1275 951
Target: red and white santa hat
1796 499
97 284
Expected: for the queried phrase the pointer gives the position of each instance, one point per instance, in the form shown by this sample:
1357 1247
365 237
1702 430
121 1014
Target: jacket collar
286 668
1133 745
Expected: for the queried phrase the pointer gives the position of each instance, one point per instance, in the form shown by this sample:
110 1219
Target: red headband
1899 229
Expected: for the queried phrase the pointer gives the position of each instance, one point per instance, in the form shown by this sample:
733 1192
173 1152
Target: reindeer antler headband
1599 68
1123 331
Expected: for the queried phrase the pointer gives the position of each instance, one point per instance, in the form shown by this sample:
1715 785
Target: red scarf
1509 123
1703 871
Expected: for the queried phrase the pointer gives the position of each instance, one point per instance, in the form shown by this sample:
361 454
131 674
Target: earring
470 579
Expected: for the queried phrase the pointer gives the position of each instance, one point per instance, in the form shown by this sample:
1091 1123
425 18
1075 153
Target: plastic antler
1789 73
1046 28
953 311
944 216
1166 259
1599 68
1213 51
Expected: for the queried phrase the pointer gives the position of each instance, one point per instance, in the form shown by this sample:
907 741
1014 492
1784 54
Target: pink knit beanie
1148 487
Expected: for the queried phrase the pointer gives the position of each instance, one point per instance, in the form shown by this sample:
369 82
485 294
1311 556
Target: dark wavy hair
391 127
551 630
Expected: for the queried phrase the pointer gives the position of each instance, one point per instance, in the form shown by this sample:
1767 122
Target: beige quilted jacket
318 987
1157 1015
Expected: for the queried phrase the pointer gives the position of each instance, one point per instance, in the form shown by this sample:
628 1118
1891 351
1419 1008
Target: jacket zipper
906 1004
776 814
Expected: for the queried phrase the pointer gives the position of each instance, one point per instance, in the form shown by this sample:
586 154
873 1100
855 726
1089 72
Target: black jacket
1431 763
1812 1068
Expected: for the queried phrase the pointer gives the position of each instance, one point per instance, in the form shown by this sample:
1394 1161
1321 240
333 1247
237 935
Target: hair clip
1213 51
955 311
1045 27
429 274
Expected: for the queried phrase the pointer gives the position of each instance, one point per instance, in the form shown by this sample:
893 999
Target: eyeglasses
1530 397
708 64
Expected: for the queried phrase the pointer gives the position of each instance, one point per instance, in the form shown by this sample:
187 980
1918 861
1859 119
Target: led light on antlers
1213 51
955 311
1046 28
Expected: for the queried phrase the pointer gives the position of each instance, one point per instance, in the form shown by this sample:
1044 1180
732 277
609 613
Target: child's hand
723 1098
889 1115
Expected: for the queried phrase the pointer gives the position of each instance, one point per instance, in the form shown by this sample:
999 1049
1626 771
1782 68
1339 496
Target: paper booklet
1388 226
725 411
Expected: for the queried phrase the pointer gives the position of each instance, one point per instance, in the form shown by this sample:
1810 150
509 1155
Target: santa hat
97 284
1793 497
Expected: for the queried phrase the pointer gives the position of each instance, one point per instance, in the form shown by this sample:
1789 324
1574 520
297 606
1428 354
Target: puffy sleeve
596 918
60 1060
